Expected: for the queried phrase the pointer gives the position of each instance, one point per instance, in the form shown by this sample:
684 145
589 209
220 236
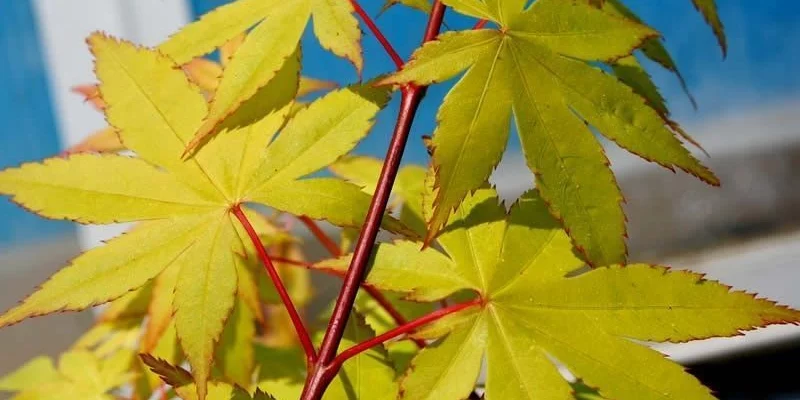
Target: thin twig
302 332
376 294
398 61
480 24
400 330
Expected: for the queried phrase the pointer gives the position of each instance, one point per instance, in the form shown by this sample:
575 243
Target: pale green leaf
544 56
379 320
448 55
421 5
709 10
578 31
369 375
154 108
474 237
204 297
541 307
235 351
37 371
337 30
333 200
254 64
476 114
409 185
474 8
159 312
216 27
448 368
397 268
572 172
108 272
653 49
320 133
238 149
629 71
128 190
515 374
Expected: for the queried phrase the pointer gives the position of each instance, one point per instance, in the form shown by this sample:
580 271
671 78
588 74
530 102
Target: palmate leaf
80 375
539 304
187 229
262 53
536 64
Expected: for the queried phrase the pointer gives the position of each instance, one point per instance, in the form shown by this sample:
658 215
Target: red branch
320 377
302 332
376 294
398 61
323 238
480 24
400 330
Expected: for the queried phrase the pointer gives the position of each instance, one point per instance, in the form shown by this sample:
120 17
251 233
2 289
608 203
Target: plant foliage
222 154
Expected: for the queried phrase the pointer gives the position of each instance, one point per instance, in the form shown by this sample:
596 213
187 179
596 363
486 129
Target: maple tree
210 280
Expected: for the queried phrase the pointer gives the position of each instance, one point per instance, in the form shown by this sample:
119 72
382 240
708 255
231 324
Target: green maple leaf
421 5
187 229
538 303
709 10
80 375
279 25
536 64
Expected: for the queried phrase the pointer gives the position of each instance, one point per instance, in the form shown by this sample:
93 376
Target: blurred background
748 119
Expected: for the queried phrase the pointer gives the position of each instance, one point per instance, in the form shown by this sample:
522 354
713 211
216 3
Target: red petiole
400 330
398 61
376 294
302 332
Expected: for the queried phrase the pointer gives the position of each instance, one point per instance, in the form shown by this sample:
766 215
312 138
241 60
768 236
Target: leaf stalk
297 321
398 61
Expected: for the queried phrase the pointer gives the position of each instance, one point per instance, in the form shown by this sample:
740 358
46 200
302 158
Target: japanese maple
210 284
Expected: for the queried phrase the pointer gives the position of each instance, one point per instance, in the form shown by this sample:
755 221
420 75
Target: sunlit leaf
538 65
539 305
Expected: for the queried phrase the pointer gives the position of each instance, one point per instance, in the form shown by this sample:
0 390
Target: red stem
319 379
480 24
323 238
376 294
400 330
398 61
302 333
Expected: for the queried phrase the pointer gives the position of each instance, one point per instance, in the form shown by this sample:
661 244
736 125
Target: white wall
63 26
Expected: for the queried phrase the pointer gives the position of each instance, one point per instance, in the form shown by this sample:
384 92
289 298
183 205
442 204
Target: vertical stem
302 332
319 379
376 294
